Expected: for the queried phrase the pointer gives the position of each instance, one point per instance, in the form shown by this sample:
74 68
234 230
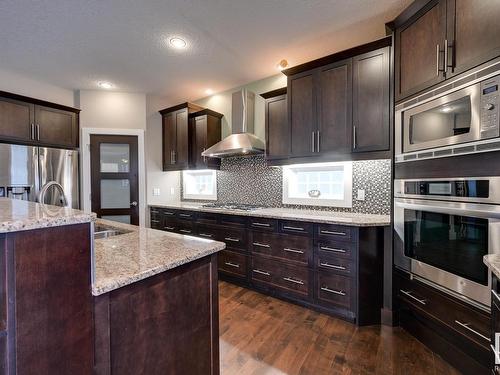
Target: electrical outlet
361 195
156 192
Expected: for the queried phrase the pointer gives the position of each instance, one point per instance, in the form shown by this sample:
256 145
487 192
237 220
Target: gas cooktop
233 206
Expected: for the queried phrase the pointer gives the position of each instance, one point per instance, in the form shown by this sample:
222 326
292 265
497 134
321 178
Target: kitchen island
139 301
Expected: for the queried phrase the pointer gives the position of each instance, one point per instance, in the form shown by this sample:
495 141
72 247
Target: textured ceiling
76 43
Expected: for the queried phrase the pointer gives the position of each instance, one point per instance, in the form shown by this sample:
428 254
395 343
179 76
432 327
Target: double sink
103 231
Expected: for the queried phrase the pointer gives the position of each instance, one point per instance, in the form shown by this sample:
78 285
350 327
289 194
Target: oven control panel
489 109
456 188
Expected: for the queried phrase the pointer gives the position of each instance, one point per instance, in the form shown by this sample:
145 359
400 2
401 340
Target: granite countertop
493 263
142 252
325 217
17 215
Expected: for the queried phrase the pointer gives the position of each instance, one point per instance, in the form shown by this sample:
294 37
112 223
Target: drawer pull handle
184 231
339 292
232 239
185 215
333 232
332 266
293 251
496 295
205 235
261 224
261 244
154 212
232 264
421 301
467 327
169 228
291 280
326 248
168 213
262 272
155 221
293 228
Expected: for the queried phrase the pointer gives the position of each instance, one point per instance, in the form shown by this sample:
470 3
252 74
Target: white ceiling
76 43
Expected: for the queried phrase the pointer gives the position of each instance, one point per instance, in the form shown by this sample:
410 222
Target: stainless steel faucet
45 188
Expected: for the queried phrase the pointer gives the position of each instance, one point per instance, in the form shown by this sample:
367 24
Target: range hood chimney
242 141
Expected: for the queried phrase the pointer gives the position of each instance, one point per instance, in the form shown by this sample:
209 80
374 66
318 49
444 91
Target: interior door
115 177
56 127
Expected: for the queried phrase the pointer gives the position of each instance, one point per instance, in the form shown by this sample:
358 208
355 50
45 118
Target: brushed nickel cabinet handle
354 143
261 224
232 264
169 228
467 327
168 213
408 293
232 239
154 212
205 235
184 231
294 281
445 65
333 232
185 215
293 250
312 142
261 244
293 228
262 272
339 292
326 248
38 132
155 221
317 144
335 267
32 131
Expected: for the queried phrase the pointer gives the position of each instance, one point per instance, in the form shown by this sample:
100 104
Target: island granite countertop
18 215
492 261
141 253
314 216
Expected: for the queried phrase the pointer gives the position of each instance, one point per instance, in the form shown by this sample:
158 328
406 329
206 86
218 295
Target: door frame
85 166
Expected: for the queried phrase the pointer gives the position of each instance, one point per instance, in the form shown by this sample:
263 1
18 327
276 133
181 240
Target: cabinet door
277 129
335 108
182 139
420 50
56 127
16 119
200 141
302 113
371 101
169 141
473 29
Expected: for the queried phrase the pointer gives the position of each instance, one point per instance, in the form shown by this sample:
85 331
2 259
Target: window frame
210 197
311 201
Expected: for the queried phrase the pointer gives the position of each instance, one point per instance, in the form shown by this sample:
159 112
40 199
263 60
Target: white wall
21 85
108 109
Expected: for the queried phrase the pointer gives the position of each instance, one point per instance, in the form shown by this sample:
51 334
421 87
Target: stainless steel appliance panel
60 166
19 171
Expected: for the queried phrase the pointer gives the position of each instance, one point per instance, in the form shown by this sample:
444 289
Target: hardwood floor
263 335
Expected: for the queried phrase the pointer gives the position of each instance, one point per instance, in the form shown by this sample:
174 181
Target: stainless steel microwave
453 123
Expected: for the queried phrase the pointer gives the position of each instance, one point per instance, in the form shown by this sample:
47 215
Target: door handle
438 53
317 144
37 132
312 142
354 145
134 203
33 131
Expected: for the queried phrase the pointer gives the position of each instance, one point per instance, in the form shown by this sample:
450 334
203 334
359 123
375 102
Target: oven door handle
463 209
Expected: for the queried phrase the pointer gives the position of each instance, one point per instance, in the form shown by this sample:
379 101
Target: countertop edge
490 260
27 225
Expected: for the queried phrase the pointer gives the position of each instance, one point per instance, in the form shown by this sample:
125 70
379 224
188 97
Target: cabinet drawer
338 265
287 278
206 231
263 224
207 218
334 290
156 222
336 248
296 227
233 221
185 215
469 322
235 238
295 249
185 227
335 232
170 225
167 213
232 263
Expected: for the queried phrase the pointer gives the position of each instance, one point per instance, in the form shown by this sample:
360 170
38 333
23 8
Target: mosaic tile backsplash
249 180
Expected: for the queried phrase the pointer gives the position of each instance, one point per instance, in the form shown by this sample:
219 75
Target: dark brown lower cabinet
166 324
457 331
335 269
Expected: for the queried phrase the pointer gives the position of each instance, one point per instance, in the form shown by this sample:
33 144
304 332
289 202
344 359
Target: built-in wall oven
443 228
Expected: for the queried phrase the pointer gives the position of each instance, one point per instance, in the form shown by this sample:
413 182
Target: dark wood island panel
166 324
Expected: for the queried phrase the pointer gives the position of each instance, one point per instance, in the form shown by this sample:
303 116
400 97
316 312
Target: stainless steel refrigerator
25 170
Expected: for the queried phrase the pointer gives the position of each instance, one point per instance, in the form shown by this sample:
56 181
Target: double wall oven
444 227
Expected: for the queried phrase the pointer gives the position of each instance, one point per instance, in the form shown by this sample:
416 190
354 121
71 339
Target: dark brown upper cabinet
205 131
371 101
336 97
440 39
277 127
31 121
175 136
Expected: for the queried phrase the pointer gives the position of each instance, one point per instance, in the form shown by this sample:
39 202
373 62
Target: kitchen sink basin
103 231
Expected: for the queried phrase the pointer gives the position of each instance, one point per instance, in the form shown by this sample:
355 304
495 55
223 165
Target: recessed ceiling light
282 65
105 85
209 91
178 43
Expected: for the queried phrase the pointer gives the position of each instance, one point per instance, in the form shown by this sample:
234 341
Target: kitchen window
200 184
325 184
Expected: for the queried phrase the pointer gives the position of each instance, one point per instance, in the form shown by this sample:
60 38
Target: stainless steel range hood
242 142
